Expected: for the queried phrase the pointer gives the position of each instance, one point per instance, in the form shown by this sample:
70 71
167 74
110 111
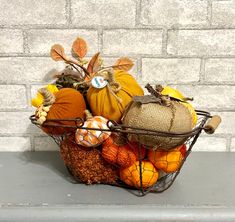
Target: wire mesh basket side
166 180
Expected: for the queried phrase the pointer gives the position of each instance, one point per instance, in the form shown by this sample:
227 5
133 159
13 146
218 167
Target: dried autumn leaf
80 47
94 64
124 63
57 53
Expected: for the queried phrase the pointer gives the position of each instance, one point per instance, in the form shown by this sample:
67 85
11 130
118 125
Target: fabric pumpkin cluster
87 98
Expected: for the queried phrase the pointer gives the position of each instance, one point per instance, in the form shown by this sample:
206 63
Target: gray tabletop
38 183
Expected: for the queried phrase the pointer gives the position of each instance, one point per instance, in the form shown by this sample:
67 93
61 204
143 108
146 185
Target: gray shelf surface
35 186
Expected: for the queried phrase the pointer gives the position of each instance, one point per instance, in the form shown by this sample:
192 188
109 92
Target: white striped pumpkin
92 138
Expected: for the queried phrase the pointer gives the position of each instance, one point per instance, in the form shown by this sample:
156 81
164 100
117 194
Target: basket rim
113 126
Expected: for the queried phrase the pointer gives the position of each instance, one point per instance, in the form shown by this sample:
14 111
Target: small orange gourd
67 104
111 100
138 149
92 138
131 174
168 161
121 155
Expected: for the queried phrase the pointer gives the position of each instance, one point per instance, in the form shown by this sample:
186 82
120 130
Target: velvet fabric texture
103 103
69 103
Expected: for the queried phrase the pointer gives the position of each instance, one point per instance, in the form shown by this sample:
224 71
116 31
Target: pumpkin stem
188 98
88 114
48 97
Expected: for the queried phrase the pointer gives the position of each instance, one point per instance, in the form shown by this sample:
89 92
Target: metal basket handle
212 124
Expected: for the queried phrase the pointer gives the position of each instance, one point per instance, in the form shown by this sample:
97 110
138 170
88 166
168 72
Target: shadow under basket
205 122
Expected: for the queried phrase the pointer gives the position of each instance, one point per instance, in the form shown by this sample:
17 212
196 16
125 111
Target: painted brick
210 97
35 12
220 70
212 144
28 70
11 41
201 42
12 97
170 70
174 13
227 124
45 144
104 13
14 144
41 40
232 148
123 42
17 123
223 13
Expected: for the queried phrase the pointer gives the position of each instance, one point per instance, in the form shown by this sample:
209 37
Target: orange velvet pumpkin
69 103
122 156
131 174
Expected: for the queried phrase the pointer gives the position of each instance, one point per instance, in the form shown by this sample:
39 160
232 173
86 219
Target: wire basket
205 122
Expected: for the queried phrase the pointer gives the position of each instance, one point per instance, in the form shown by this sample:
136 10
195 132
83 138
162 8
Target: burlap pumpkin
109 104
174 118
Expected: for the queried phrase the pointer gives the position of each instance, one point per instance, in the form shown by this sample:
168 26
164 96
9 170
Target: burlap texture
152 116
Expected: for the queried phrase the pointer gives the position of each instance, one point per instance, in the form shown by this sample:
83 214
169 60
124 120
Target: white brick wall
121 41
105 13
223 13
173 13
11 41
201 42
189 44
32 12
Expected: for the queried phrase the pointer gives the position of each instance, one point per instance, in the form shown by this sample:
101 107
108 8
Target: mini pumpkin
67 103
121 155
168 161
138 149
111 100
92 138
131 175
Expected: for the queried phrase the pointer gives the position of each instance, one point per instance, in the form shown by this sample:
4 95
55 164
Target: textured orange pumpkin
131 175
103 103
168 161
69 103
122 156
138 149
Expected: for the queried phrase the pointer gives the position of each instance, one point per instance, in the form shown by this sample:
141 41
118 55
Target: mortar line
25 41
209 12
68 13
100 40
190 83
139 27
138 13
164 42
229 143
46 55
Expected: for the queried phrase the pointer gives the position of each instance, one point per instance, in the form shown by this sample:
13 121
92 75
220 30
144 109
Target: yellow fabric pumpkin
103 103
